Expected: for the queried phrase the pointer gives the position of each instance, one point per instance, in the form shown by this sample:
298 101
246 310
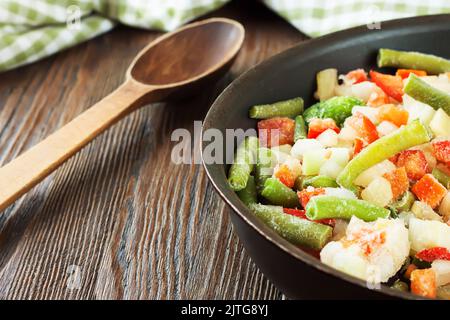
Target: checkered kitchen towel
33 29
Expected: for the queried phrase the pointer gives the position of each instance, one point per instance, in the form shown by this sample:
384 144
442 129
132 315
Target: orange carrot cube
423 283
285 175
305 195
399 181
415 163
394 114
429 190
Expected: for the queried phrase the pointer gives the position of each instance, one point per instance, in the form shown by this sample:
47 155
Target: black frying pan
290 74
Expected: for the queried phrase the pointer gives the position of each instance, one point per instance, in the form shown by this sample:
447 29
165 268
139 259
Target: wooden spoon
174 64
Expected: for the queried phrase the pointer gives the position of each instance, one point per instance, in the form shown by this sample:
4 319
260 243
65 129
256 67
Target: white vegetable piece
327 81
348 134
369 112
418 110
444 208
423 211
425 234
286 148
378 192
328 138
373 172
442 270
361 90
340 193
440 124
370 250
331 169
340 155
385 128
303 145
313 161
440 83
294 166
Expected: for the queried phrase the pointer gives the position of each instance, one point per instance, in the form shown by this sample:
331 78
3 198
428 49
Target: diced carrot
365 129
357 76
441 150
391 85
415 163
317 126
409 270
378 98
305 195
276 131
358 146
429 190
423 283
404 73
394 158
399 181
285 175
394 114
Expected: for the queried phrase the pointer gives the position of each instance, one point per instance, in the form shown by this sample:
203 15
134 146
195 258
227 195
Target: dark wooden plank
135 224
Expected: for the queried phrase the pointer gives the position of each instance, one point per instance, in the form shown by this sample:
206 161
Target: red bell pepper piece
431 254
429 190
317 126
415 163
442 150
357 76
276 131
391 85
305 195
404 73
365 129
358 146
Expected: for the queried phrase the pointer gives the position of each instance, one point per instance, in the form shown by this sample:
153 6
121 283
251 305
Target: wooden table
120 220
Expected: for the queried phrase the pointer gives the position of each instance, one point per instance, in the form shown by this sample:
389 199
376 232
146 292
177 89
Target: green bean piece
336 108
294 229
405 202
248 195
278 194
243 164
400 285
442 177
404 138
330 207
412 60
288 108
423 92
266 162
319 182
300 131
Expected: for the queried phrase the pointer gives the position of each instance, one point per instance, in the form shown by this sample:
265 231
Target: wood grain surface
119 220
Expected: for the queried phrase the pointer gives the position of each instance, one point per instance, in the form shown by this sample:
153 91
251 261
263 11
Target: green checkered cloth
33 29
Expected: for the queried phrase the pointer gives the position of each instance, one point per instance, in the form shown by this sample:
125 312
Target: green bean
442 177
336 108
319 182
405 202
294 229
412 60
327 207
404 138
248 195
279 194
288 108
423 92
243 164
300 128
266 161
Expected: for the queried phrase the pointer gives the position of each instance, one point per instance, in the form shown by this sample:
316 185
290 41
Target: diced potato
418 110
442 270
444 208
303 145
328 138
348 134
286 148
425 234
340 155
385 128
378 192
423 211
327 81
440 124
369 112
313 161
331 169
377 170
340 193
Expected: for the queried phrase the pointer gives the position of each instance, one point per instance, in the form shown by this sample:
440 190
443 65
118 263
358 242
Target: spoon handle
32 166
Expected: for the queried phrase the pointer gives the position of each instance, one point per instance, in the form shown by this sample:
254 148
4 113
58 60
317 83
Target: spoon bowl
171 66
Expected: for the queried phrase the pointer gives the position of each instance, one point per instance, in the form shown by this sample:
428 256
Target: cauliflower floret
372 251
